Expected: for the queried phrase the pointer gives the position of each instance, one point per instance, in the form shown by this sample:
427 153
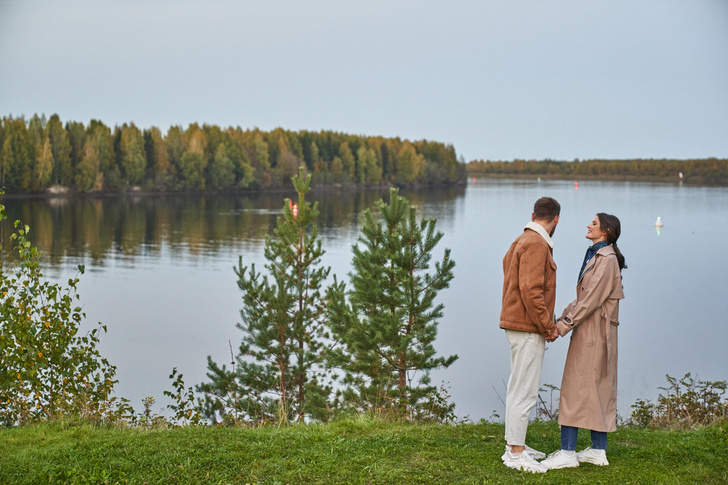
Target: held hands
560 330
554 335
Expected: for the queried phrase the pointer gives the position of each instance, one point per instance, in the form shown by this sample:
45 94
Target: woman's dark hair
610 224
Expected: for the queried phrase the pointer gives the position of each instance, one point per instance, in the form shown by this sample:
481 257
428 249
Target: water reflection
159 275
129 227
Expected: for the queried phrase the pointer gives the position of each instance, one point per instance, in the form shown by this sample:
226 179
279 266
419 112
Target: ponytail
611 225
620 257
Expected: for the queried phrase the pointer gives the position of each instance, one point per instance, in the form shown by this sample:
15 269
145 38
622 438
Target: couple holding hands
589 385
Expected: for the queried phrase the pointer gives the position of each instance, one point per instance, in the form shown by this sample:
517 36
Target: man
529 296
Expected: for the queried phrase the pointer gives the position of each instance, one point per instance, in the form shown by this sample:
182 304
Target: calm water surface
159 275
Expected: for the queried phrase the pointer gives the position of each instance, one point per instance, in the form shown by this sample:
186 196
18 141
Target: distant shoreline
693 181
147 192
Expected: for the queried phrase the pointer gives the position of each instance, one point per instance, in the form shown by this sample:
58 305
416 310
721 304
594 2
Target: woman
589 386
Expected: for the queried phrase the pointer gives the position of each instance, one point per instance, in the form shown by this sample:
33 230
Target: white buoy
658 223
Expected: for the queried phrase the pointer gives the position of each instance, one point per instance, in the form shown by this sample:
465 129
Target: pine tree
278 373
388 326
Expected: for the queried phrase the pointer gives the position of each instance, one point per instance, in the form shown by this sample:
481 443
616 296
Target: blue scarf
590 252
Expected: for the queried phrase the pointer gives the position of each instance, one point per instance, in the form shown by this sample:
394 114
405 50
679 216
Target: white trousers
527 350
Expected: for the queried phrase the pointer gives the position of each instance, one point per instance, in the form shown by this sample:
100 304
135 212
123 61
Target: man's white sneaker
535 454
559 459
595 457
523 461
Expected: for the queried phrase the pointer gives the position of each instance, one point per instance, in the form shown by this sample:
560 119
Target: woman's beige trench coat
589 386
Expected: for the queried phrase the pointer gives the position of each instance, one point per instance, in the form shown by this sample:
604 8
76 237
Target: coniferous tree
388 326
279 373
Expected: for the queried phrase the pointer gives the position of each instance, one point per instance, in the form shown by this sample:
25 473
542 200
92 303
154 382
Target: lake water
159 275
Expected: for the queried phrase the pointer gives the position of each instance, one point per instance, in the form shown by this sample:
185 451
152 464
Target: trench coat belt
610 340
609 319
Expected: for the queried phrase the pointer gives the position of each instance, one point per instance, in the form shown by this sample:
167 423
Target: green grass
348 452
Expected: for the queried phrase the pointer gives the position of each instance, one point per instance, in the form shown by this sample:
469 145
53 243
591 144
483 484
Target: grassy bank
348 452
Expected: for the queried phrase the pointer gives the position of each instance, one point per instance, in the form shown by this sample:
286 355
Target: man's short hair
546 208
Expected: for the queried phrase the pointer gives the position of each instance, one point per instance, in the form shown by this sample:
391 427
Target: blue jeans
569 435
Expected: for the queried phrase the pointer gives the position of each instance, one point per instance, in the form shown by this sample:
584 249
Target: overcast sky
534 79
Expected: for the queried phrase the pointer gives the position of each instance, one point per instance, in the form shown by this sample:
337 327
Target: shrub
686 404
48 370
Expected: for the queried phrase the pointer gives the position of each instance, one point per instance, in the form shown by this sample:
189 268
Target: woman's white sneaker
595 457
523 461
559 459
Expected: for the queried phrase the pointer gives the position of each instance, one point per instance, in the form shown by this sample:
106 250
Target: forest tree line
40 153
704 171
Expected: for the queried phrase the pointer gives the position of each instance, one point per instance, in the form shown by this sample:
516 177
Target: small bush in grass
686 404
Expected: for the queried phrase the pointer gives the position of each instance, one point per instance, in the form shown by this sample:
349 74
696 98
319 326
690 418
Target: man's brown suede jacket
529 285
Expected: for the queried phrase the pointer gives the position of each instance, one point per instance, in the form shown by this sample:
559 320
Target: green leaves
48 370
133 156
185 410
40 154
